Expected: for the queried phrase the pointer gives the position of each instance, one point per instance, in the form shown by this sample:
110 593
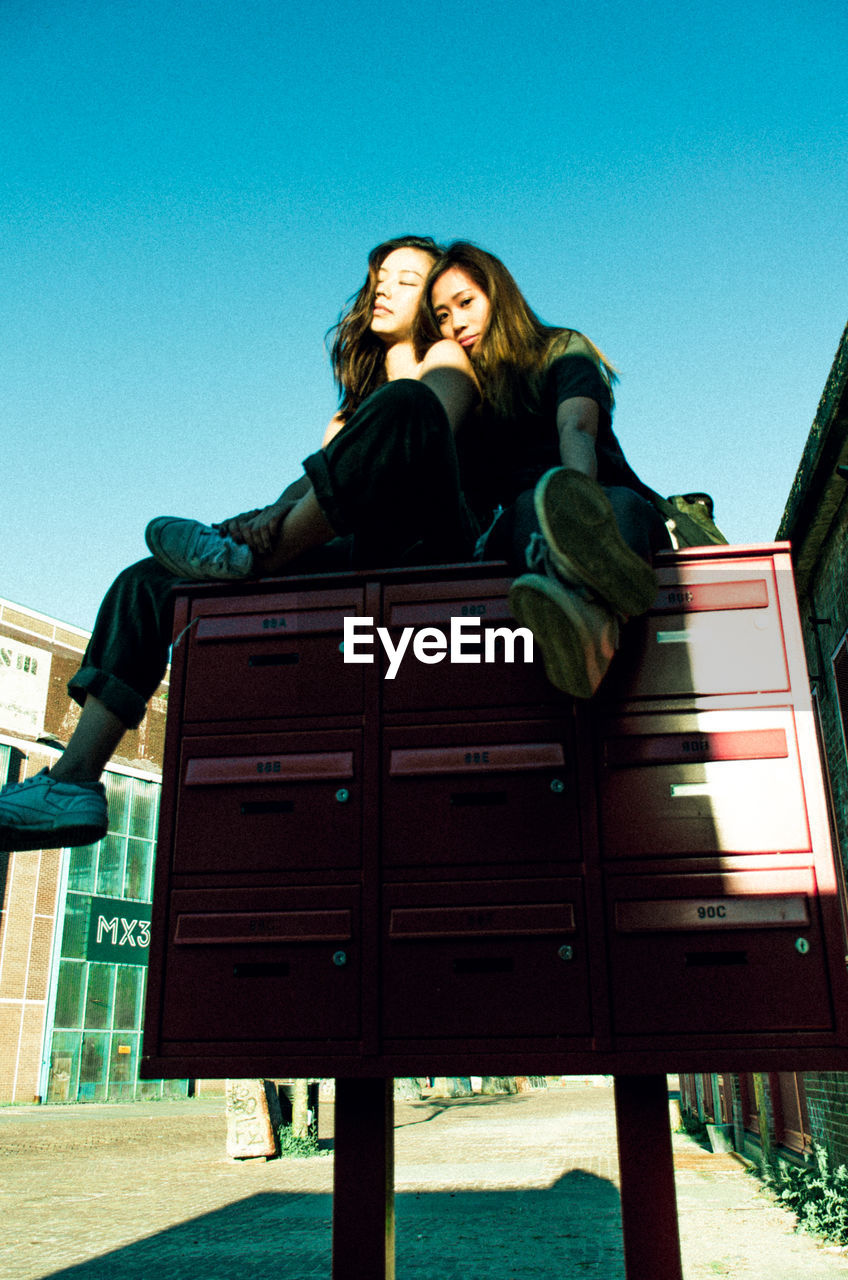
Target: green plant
294 1146
816 1193
691 1124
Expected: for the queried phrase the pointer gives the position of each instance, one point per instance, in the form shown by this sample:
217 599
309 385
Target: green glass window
128 983
74 934
99 995
69 993
82 870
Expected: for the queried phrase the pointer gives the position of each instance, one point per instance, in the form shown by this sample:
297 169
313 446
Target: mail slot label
239 927
424 611
504 757
687 748
491 921
748 912
248 625
306 767
698 597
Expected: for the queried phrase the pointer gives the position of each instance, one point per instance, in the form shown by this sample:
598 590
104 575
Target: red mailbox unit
459 870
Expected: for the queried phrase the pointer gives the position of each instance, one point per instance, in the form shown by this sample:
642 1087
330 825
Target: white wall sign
24 682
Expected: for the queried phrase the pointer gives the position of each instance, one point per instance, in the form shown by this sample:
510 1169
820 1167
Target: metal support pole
648 1201
363 1181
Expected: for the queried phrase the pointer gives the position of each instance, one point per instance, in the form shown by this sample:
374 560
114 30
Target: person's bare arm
577 424
334 426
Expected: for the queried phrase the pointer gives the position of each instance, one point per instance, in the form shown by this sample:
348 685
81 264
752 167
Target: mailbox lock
802 946
342 795
340 959
566 953
557 786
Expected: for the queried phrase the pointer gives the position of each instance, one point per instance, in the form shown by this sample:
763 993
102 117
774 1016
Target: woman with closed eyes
383 489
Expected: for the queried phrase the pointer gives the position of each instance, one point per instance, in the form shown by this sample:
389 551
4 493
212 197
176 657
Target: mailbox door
483 794
262 965
509 680
733 953
484 961
715 629
255 658
706 782
268 802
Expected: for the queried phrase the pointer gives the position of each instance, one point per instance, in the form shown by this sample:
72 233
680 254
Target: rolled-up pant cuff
116 696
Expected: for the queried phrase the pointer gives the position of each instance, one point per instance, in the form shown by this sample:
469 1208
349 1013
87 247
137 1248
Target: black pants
389 486
639 523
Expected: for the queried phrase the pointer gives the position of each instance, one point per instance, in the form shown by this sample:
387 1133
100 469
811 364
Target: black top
501 457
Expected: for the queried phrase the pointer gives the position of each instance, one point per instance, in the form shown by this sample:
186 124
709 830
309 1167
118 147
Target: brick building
816 522
813 1107
74 923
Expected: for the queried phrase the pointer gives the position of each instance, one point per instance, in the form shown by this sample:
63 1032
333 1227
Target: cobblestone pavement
511 1188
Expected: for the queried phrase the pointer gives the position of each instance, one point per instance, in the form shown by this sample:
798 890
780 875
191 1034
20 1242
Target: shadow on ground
571 1228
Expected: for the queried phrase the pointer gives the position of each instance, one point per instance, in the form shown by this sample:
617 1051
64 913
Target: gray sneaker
586 546
194 550
42 813
576 637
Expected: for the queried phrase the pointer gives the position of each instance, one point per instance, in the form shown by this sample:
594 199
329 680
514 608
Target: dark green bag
690 516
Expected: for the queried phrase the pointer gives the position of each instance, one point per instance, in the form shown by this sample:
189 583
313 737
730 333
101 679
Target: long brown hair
516 347
358 356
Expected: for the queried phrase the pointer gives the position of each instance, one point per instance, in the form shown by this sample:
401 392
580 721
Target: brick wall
827 601
29 884
827 1100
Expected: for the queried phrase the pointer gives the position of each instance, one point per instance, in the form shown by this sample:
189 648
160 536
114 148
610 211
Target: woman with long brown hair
545 464
383 489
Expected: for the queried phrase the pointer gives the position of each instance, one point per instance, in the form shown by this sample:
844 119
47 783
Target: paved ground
512 1188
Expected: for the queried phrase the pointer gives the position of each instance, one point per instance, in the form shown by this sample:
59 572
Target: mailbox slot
263 965
487 794
451 684
483 960
710 782
271 657
703 614
270 802
741 952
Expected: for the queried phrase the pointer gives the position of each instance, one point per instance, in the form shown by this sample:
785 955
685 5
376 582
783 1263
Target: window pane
110 870
83 864
840 676
175 1088
127 992
122 1067
144 809
139 865
98 1002
69 993
118 795
74 933
94 1061
64 1066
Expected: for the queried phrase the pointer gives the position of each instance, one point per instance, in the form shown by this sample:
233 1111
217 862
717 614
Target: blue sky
189 192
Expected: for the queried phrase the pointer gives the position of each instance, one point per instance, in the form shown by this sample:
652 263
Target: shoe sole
559 632
151 537
154 545
14 839
187 572
580 528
